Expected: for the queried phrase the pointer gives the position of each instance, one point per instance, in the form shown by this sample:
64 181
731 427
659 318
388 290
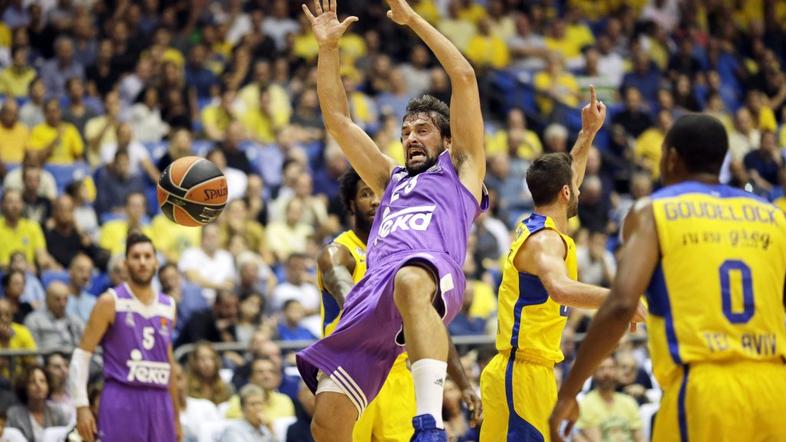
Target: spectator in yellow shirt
647 150
250 95
560 41
13 134
457 29
102 129
14 336
113 233
487 50
217 116
20 234
15 79
59 141
530 146
554 83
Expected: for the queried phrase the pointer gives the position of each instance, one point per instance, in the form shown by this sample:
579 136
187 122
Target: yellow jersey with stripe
529 321
330 310
717 293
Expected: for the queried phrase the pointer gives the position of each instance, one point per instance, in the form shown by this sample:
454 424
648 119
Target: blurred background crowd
98 97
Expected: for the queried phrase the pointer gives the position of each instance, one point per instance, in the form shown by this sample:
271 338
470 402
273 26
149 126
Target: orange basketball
192 191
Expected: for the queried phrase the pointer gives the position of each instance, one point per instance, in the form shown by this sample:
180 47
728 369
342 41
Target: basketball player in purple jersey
417 244
134 327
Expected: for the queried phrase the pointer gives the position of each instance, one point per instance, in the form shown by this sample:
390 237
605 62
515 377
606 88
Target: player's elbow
558 291
463 75
621 307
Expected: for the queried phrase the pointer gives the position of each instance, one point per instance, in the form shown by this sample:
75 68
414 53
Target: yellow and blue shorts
518 394
388 418
731 401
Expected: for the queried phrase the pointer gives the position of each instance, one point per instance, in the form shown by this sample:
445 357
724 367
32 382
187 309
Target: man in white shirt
298 286
209 266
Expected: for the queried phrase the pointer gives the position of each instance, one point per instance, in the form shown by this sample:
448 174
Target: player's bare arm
100 319
467 148
336 265
468 394
544 256
639 258
173 389
592 117
372 165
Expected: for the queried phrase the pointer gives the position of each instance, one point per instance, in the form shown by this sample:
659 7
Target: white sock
429 376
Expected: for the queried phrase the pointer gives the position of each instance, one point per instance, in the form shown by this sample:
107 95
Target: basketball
192 191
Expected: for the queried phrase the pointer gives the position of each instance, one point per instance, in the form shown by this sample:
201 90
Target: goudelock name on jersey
529 320
717 293
330 309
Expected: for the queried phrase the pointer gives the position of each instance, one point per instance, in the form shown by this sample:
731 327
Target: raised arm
637 264
336 265
466 119
372 165
592 117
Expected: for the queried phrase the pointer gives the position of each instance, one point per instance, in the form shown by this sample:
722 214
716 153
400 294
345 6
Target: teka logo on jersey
411 218
147 372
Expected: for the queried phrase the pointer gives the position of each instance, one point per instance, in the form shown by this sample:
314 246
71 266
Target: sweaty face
422 143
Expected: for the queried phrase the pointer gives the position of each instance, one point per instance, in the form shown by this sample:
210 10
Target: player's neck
362 235
144 293
706 178
557 213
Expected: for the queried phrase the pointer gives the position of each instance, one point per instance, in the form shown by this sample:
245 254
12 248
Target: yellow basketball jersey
528 319
330 310
717 294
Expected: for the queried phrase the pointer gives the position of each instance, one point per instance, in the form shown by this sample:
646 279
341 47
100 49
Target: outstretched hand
400 12
327 29
593 114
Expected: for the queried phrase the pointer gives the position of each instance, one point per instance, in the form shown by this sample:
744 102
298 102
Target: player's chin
416 166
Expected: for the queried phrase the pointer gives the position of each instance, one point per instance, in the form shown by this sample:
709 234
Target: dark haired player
134 327
417 244
341 265
539 282
712 261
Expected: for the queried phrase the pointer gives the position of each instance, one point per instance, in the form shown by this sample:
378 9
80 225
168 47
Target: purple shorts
369 336
133 414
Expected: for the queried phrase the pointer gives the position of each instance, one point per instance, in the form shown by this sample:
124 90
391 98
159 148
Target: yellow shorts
388 418
517 396
724 402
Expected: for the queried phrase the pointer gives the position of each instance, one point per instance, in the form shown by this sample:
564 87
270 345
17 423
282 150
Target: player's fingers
308 13
348 21
593 95
318 7
568 428
332 5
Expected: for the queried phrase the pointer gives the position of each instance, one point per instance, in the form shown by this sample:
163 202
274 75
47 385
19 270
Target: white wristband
78 374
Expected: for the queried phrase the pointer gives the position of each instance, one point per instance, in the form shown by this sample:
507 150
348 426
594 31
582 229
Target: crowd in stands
99 96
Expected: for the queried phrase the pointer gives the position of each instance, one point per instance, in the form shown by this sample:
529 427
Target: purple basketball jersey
431 211
136 346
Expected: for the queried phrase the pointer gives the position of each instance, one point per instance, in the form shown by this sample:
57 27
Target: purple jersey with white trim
136 346
429 211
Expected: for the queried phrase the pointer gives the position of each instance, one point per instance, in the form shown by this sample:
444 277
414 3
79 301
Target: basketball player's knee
414 287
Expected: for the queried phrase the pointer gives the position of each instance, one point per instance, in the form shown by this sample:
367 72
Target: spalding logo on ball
192 191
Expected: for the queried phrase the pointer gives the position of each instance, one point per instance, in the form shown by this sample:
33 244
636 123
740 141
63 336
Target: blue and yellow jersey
717 293
529 320
330 310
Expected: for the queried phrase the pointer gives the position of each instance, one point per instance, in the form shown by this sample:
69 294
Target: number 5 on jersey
148 337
